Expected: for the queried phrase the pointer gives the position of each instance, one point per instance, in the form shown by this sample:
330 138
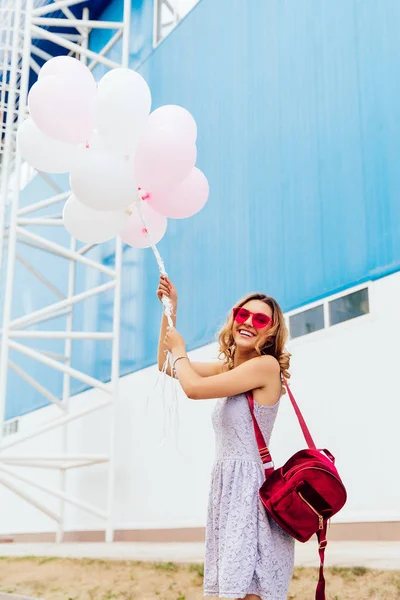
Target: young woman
247 554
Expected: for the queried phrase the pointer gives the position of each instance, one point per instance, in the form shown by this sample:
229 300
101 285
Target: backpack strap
269 466
262 446
322 543
321 533
307 435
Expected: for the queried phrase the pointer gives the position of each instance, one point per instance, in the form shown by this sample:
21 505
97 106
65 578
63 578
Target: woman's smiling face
245 334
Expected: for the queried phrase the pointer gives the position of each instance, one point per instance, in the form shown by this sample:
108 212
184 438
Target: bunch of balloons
119 155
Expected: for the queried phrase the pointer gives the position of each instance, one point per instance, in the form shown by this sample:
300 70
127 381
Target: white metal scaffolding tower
22 22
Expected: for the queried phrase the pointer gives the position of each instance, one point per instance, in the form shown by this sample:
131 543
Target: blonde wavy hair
274 345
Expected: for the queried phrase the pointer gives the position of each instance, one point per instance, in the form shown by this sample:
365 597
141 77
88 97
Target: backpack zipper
320 517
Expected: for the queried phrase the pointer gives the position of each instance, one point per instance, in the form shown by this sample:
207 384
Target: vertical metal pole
11 103
85 38
5 67
115 371
68 342
66 391
3 173
156 9
115 365
126 33
15 202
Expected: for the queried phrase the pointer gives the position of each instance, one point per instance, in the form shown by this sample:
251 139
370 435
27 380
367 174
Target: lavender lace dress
246 551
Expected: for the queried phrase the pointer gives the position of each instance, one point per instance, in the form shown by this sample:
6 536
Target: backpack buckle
268 468
323 544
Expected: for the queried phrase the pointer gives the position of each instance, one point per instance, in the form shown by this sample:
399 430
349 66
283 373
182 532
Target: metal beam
59 422
15 329
36 385
28 499
12 242
58 366
64 252
60 41
62 335
110 44
61 197
48 490
40 277
44 22
49 8
52 309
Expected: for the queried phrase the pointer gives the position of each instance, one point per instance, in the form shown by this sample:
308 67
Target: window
10 427
339 309
307 321
349 306
167 13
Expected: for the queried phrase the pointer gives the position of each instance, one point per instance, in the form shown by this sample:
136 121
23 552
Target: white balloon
96 142
92 226
103 180
119 74
136 234
66 66
43 152
63 107
122 108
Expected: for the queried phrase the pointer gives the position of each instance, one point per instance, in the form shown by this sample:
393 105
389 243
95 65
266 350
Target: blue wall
298 109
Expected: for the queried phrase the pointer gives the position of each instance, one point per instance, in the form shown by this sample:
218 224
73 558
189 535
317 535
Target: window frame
304 310
11 426
344 296
325 303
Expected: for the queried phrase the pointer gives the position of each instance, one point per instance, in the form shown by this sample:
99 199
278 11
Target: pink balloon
175 116
63 108
184 199
134 233
66 66
164 157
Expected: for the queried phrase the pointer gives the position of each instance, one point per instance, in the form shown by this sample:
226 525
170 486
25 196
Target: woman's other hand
173 341
165 287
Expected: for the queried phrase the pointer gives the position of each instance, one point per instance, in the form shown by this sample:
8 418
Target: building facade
299 135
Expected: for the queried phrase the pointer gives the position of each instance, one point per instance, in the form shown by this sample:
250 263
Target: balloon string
165 300
171 414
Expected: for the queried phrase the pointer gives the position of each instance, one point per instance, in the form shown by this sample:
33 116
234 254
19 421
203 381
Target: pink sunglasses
259 320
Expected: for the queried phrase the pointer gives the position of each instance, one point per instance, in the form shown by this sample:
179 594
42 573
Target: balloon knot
146 197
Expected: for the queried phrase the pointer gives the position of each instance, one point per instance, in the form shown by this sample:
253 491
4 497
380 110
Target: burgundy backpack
303 494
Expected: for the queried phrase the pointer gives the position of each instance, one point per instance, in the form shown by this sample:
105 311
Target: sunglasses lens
260 320
241 315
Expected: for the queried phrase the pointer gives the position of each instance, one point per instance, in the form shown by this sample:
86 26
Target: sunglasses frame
237 309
